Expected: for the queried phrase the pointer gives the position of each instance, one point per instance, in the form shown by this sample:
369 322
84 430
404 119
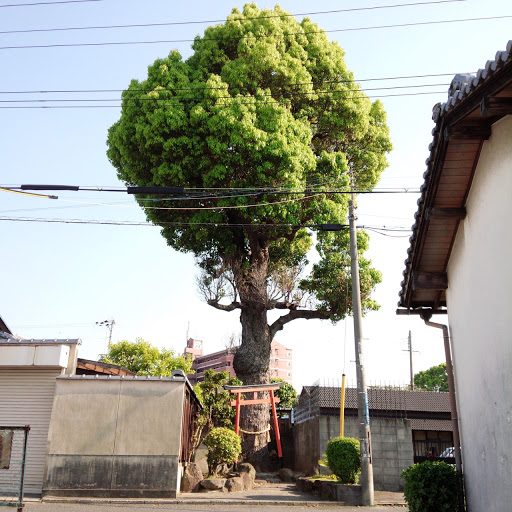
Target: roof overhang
462 126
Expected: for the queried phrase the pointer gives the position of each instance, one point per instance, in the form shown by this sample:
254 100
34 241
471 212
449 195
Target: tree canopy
142 358
262 125
286 394
433 379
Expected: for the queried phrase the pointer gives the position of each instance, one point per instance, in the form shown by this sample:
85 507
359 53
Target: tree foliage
217 410
142 358
216 400
433 379
261 124
286 394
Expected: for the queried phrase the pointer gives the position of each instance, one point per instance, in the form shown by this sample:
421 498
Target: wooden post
276 425
237 416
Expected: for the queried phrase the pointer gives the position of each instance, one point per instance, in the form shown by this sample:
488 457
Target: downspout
453 403
451 388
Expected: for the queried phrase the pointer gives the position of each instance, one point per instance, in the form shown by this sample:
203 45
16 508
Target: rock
286 475
200 457
213 484
247 481
235 484
313 472
324 470
245 467
192 476
271 478
304 485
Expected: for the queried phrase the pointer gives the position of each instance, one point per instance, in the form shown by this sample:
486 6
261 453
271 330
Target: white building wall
479 301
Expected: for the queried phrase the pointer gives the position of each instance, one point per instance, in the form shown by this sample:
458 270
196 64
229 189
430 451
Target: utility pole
363 414
410 350
109 324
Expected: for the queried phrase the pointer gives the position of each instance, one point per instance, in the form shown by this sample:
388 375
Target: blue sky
59 279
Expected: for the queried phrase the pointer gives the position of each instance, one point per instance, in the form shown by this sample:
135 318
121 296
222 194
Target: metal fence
13 455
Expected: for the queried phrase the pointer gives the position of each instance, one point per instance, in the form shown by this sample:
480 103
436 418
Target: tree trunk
252 359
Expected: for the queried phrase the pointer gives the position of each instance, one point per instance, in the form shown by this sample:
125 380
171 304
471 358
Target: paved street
197 507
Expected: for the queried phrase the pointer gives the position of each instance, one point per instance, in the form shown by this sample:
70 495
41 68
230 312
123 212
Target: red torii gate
254 389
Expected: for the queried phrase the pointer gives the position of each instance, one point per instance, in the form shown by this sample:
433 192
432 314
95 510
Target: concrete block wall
391 444
117 437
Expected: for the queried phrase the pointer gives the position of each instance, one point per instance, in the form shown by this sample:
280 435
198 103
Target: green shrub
344 458
223 448
431 487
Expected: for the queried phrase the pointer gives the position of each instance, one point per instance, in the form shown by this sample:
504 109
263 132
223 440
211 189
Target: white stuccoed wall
479 301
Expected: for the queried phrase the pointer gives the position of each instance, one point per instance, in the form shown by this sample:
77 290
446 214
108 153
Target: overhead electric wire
377 96
168 41
193 224
50 3
182 192
206 88
204 22
178 100
27 193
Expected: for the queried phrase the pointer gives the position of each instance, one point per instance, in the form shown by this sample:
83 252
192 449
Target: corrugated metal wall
26 398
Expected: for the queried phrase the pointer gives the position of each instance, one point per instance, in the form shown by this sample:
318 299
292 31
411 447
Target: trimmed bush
223 448
431 486
344 458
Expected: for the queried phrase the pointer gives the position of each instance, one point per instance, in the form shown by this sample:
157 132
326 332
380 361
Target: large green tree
262 124
434 378
143 358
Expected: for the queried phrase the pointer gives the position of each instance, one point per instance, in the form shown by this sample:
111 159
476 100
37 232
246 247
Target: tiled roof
102 368
382 399
3 327
23 341
467 88
462 125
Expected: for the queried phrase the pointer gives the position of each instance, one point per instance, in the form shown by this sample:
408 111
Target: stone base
347 494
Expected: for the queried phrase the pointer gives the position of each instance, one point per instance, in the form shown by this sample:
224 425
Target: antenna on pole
188 329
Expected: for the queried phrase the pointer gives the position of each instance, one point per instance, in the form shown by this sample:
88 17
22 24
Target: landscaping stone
324 470
235 484
213 484
269 477
245 467
304 485
191 478
247 481
286 475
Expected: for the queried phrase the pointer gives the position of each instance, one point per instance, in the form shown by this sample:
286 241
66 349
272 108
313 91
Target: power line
377 96
178 100
167 41
322 227
205 88
49 3
203 22
184 191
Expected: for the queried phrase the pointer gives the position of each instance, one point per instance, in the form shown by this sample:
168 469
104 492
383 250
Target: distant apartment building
280 361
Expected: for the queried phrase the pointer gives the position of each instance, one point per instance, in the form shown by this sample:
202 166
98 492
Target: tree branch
294 315
224 307
274 304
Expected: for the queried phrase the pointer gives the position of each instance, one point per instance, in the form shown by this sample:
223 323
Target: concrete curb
207 501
